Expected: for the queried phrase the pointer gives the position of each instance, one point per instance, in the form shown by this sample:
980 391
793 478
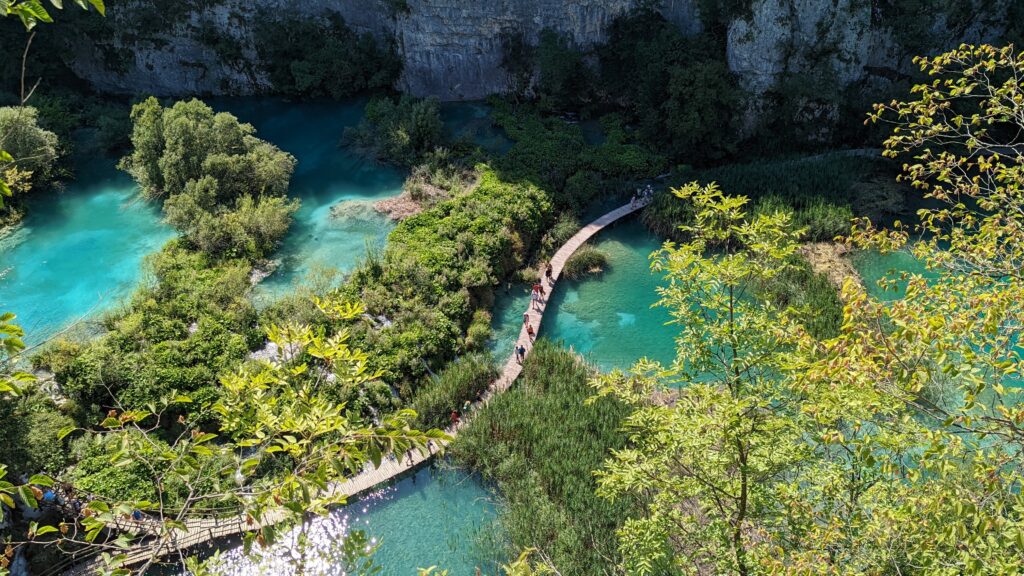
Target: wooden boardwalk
203 530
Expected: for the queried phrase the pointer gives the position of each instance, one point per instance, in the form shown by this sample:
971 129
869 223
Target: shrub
34 150
465 379
820 191
401 132
440 266
586 260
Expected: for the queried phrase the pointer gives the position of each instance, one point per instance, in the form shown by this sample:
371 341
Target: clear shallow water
443 518
873 266
326 174
78 252
609 317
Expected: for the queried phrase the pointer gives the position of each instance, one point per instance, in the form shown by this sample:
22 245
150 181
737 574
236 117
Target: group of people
642 196
538 295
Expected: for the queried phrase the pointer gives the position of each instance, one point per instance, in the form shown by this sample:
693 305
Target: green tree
279 449
32 148
706 460
400 132
222 187
927 422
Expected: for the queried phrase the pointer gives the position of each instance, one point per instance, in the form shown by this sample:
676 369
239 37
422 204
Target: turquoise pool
443 518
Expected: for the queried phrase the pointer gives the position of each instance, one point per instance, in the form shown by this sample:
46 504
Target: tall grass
539 443
819 190
811 293
462 380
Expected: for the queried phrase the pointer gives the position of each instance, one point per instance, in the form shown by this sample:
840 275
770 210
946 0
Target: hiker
547 274
455 417
535 298
632 201
526 317
466 406
529 331
520 353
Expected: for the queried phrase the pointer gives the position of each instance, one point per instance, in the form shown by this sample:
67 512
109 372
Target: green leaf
41 480
65 431
98 5
46 530
28 497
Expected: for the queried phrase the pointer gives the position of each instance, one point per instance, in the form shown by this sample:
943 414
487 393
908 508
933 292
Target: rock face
453 48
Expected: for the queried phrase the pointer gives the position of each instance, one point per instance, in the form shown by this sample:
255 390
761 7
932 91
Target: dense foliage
31 153
222 187
677 89
586 260
539 443
889 446
323 58
400 132
439 267
555 155
464 379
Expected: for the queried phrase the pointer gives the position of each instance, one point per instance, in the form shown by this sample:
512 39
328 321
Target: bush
465 379
565 81
34 150
564 228
401 132
586 260
29 427
540 442
553 154
678 90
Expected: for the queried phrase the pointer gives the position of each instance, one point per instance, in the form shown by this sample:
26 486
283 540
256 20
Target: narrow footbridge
206 529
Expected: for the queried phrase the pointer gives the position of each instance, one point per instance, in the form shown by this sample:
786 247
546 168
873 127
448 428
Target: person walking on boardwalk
466 406
520 353
530 332
455 417
526 317
535 297
548 274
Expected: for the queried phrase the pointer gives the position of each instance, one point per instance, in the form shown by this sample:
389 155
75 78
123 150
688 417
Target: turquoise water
78 252
443 518
608 318
326 174
873 266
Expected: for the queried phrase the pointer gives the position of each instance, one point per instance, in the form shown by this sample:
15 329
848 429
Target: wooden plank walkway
202 530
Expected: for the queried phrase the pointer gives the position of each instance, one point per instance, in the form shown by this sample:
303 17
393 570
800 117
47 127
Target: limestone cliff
453 48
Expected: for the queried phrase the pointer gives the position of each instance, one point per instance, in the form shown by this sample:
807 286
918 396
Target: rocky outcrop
453 48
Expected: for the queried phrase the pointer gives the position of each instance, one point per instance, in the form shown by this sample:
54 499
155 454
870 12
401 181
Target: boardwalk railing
202 530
